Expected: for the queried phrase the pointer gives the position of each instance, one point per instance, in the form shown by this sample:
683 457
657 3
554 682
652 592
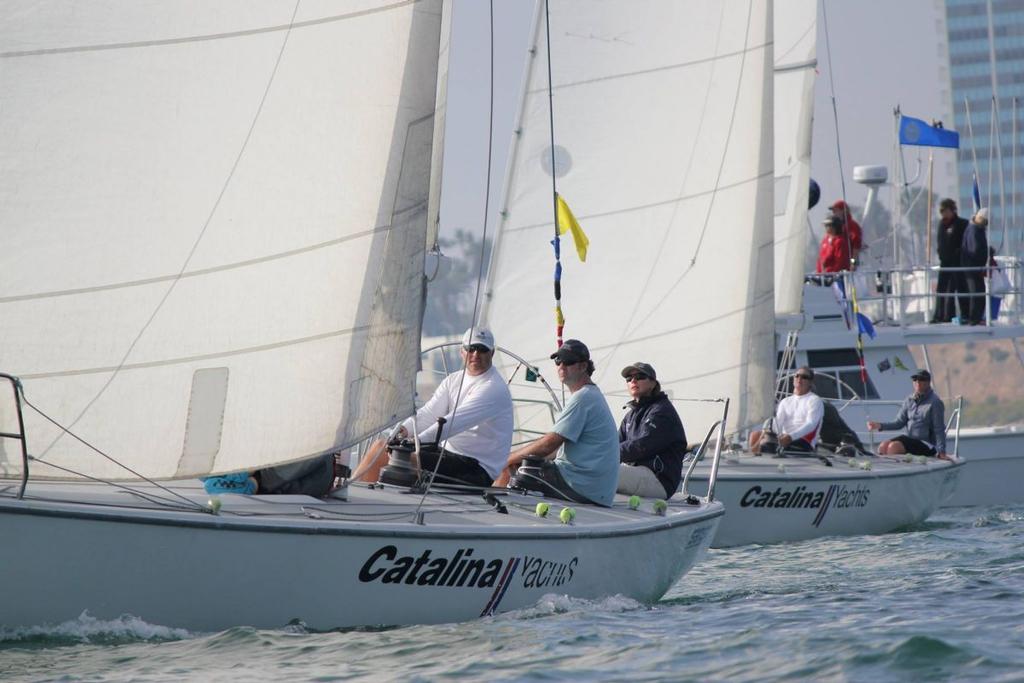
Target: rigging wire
842 183
67 431
557 242
713 192
483 247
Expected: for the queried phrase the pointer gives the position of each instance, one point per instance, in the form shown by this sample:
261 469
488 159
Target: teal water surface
941 601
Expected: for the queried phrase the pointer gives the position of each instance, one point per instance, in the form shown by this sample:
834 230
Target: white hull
993 459
993 467
776 500
327 563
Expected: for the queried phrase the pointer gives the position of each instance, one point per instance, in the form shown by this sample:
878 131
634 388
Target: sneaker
236 482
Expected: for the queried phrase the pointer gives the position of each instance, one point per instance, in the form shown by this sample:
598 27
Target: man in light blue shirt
587 468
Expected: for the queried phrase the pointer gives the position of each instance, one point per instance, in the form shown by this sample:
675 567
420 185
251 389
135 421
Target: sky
884 53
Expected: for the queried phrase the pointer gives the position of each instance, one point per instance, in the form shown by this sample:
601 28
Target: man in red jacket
851 228
834 254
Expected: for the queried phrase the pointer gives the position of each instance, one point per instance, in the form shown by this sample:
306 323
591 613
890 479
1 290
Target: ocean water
943 600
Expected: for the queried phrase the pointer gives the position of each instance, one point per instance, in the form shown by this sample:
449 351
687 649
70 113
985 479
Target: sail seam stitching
641 207
195 273
669 67
199 357
203 38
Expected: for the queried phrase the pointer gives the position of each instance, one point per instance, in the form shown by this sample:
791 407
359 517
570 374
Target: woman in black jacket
652 441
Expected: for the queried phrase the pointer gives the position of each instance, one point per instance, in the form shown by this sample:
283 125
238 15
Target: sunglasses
806 377
636 378
479 348
559 361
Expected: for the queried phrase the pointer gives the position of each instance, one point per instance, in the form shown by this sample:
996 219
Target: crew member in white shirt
477 408
798 417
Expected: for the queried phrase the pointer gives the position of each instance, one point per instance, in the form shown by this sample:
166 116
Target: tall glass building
986 58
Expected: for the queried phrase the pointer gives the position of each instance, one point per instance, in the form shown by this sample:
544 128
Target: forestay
662 114
796 62
214 223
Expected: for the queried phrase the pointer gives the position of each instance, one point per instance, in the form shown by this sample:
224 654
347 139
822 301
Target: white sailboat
993 457
663 123
213 261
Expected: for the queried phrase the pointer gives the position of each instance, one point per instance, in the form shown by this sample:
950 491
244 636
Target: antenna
873 177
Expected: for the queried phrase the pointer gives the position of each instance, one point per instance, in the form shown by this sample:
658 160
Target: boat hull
205 572
993 467
772 500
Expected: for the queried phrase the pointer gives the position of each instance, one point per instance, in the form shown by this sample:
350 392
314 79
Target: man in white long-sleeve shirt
477 408
798 417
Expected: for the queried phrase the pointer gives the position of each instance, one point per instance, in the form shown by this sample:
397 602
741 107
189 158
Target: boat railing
904 295
954 419
438 362
19 436
717 430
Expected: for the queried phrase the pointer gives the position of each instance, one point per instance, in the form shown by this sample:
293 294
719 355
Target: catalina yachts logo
836 496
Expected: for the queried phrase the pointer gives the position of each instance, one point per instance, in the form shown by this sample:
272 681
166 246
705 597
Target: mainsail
214 223
663 149
795 69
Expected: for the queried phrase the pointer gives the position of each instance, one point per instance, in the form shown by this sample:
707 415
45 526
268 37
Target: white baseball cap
478 335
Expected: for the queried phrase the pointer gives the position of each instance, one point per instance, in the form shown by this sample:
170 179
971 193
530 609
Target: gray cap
639 369
572 351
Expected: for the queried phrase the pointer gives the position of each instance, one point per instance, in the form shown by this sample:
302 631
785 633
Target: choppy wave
563 604
88 629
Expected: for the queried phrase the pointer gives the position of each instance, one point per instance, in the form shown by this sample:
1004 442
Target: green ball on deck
214 504
567 515
542 509
660 507
634 502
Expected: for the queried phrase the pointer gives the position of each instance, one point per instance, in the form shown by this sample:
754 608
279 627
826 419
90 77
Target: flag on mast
568 223
917 132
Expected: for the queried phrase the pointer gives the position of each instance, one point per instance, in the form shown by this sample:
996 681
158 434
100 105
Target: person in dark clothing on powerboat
974 254
652 441
950 241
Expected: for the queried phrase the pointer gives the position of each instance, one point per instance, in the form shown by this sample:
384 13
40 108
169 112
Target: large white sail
795 27
663 133
214 221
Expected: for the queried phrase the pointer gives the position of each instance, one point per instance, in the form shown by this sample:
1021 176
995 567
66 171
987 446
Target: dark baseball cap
572 351
639 369
922 374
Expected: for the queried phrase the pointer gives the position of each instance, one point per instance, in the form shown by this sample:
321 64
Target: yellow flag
567 223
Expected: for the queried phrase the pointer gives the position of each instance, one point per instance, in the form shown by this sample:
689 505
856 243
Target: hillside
987 374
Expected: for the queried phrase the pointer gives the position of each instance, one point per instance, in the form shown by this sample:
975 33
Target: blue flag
976 194
917 132
864 325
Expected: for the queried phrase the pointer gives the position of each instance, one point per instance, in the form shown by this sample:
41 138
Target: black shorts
455 469
915 446
548 480
799 445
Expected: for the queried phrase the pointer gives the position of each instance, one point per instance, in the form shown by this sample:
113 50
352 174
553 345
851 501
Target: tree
451 295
